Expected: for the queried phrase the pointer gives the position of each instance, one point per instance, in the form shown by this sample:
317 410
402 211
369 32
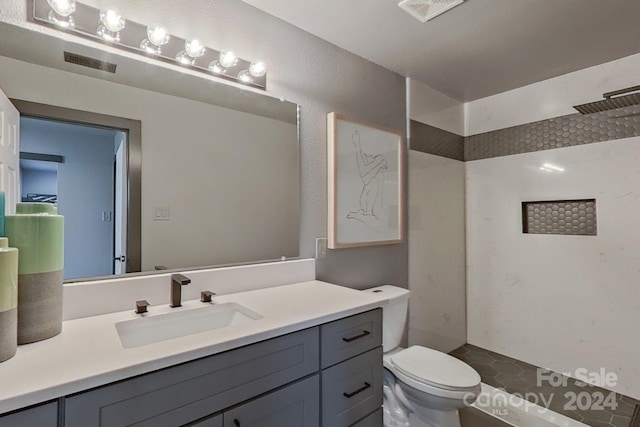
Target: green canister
8 300
38 232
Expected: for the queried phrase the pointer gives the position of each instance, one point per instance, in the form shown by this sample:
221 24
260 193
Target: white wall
437 317
304 69
427 105
550 98
561 302
85 190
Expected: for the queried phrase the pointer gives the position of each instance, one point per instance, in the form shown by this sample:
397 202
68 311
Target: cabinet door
42 416
352 389
297 405
184 393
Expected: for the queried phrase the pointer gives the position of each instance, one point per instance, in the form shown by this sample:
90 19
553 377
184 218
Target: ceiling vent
424 10
85 61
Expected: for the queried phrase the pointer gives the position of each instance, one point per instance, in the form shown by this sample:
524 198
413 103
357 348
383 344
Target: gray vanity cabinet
329 375
212 421
45 415
182 394
296 405
351 357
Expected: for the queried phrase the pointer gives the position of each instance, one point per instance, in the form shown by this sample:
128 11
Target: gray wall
85 190
304 69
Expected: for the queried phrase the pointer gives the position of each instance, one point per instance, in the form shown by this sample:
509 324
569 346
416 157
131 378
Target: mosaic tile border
559 132
432 140
563 217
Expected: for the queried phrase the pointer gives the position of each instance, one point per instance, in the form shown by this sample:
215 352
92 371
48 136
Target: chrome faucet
177 282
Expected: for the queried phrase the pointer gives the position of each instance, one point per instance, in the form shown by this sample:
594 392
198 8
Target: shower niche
563 217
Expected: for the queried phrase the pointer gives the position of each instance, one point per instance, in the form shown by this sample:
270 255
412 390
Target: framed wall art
365 185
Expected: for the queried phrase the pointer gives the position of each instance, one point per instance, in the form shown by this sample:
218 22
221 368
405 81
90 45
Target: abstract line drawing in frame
365 183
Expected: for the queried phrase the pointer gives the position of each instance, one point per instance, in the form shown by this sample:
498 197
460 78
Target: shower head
611 101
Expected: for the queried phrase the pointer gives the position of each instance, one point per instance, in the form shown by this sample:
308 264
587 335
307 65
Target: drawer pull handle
236 423
360 390
362 335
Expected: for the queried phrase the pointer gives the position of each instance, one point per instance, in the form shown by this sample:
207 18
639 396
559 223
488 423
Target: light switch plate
161 213
321 247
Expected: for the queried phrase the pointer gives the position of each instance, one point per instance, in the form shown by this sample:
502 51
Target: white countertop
88 352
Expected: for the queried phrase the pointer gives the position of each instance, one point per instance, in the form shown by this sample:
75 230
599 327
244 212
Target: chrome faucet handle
205 296
141 306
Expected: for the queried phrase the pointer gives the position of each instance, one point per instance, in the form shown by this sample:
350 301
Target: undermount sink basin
161 327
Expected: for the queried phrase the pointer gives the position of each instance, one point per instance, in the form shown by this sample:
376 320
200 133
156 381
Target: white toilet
422 387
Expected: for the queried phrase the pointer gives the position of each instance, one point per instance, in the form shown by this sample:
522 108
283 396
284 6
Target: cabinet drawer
352 389
296 405
193 390
350 336
45 415
373 420
215 421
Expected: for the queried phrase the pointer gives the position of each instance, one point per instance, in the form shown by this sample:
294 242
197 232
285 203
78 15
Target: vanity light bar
110 27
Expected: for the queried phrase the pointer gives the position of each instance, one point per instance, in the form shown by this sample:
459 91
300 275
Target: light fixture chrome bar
86 20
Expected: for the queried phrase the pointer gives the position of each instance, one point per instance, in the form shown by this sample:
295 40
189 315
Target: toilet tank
394 314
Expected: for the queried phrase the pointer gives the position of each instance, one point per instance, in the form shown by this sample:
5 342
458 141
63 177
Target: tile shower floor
520 378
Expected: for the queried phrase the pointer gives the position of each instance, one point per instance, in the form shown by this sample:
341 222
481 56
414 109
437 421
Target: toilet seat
433 372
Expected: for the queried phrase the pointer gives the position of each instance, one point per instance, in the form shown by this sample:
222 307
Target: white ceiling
479 48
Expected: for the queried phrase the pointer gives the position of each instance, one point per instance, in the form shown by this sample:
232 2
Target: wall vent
85 61
424 10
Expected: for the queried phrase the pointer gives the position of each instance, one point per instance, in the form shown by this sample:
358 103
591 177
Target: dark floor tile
483 358
513 383
526 380
486 371
472 417
619 421
507 368
462 351
597 424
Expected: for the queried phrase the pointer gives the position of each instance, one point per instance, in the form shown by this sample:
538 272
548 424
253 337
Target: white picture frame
365 183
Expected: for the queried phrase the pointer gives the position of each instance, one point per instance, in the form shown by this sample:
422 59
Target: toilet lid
435 368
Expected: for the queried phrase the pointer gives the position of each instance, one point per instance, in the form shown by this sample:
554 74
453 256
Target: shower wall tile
562 302
432 140
565 131
437 307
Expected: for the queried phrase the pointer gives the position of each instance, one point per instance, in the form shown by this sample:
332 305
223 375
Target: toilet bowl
422 387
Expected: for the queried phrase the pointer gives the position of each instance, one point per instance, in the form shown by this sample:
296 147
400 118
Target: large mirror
196 172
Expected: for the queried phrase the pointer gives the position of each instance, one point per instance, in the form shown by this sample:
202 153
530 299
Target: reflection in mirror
219 164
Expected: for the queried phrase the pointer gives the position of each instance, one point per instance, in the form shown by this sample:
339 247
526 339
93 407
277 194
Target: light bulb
157 35
258 69
194 48
228 59
107 35
63 7
245 77
148 47
112 20
215 67
183 58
